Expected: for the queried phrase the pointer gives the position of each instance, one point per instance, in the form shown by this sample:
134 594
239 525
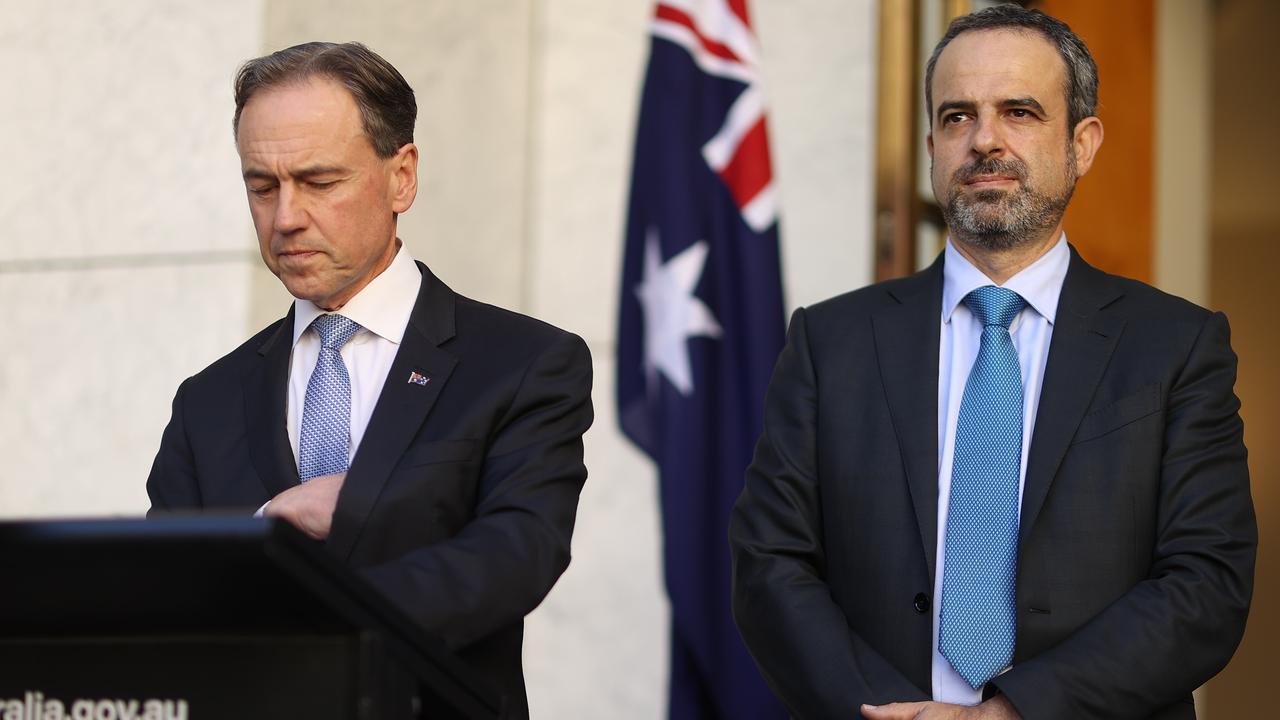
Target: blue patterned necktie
324 441
976 623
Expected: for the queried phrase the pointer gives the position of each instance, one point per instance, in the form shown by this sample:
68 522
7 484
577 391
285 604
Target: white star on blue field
672 313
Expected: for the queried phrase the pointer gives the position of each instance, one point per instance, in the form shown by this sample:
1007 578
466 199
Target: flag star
672 313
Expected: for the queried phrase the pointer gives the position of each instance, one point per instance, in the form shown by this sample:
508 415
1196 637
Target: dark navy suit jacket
459 503
1137 534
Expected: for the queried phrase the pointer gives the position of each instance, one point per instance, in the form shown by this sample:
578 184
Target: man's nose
988 138
291 214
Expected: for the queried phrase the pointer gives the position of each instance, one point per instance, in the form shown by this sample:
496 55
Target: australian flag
701 326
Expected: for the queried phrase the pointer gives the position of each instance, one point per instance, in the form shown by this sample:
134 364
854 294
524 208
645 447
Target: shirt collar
1040 283
381 307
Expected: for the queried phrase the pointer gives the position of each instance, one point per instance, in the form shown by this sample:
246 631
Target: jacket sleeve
172 482
1178 627
796 633
505 560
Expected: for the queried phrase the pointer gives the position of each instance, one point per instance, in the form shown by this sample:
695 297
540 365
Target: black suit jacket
459 503
1137 534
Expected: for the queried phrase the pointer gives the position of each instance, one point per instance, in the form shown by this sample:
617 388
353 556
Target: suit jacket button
922 603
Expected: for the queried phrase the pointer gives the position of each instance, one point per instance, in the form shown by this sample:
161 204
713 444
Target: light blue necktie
324 441
976 623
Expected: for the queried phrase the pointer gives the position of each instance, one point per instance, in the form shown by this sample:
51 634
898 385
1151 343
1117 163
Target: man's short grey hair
1082 73
387 107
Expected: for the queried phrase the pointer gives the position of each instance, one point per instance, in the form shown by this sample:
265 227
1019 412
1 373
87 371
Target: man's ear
928 142
1085 141
404 177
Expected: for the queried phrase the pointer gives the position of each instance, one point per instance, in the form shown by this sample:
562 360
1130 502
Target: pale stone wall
124 261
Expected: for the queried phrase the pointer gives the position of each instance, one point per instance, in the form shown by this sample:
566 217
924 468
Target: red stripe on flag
670 14
739 8
750 169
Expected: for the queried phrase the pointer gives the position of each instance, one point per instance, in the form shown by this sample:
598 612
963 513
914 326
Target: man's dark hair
1082 73
387 108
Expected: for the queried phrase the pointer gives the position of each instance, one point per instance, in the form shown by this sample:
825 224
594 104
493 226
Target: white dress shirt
1039 284
382 309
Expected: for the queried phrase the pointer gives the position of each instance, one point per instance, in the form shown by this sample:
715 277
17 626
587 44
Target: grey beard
994 220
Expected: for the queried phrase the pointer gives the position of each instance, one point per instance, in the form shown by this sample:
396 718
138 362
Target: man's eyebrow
303 173
256 174
311 171
1023 102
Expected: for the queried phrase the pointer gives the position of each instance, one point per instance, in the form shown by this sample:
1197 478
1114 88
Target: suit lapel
908 359
266 386
402 407
1084 335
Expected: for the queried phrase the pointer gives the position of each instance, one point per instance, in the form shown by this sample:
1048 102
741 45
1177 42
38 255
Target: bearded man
1012 484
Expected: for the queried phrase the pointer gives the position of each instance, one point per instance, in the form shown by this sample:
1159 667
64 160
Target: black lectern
209 617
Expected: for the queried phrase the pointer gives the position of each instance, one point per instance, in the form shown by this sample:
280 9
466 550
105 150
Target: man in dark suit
432 442
898 549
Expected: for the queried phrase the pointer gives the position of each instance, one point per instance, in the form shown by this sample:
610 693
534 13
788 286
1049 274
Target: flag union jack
718 38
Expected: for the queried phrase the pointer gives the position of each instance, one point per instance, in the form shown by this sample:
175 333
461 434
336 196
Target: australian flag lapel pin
417 378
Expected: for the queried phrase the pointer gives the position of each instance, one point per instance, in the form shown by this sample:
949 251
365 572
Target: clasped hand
997 708
309 506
